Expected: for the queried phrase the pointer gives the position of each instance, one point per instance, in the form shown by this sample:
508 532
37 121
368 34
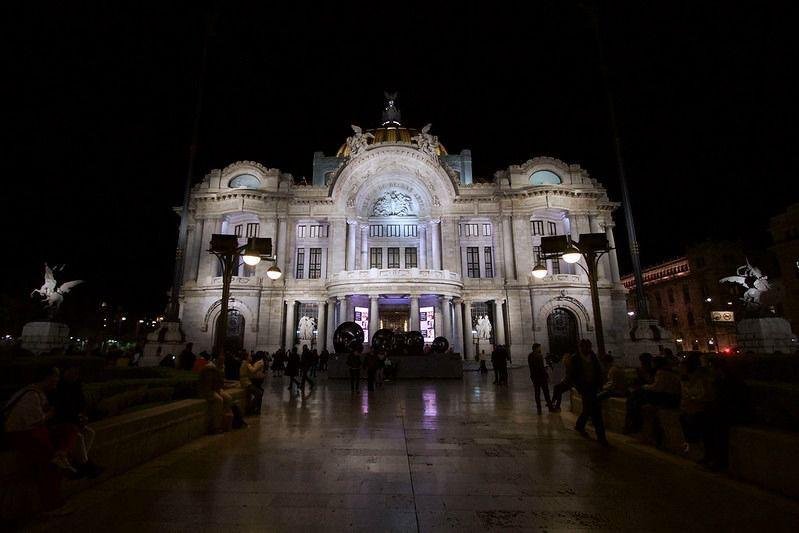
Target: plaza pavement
417 456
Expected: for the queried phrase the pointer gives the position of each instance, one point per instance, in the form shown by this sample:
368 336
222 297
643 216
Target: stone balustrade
414 280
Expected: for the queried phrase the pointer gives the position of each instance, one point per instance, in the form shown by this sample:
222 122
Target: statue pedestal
484 345
42 337
647 336
766 336
169 338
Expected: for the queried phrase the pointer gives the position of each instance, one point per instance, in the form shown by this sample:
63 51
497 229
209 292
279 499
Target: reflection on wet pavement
416 456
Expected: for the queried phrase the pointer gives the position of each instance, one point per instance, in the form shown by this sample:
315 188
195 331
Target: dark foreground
417 456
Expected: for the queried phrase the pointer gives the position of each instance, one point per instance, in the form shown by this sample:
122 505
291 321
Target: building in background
685 296
784 230
394 232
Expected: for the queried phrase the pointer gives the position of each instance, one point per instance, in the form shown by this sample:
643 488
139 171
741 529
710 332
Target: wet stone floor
417 456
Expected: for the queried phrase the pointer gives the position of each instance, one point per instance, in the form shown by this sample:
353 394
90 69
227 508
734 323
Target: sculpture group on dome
358 142
427 143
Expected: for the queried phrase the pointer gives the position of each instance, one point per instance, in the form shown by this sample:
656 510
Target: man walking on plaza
539 377
587 378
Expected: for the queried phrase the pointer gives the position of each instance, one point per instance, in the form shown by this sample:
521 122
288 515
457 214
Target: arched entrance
234 340
563 332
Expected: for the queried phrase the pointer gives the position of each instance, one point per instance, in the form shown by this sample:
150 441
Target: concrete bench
763 456
121 443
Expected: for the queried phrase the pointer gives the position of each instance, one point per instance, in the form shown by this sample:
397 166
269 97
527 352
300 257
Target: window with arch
544 177
244 181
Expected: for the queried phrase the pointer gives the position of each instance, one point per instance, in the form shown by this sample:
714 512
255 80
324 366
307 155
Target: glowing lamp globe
273 273
572 254
252 260
539 271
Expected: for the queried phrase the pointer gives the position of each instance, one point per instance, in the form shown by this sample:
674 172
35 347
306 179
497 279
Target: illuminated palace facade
394 232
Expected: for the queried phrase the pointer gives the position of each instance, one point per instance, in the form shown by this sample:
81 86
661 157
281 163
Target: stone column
374 315
208 262
614 260
193 251
507 248
337 252
281 246
468 339
352 227
579 225
422 229
331 324
603 267
343 311
365 247
499 319
435 229
290 327
414 322
446 310
320 325
458 330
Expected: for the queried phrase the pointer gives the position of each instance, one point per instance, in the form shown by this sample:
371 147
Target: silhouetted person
539 377
323 359
187 358
293 369
354 365
372 363
565 384
307 365
586 374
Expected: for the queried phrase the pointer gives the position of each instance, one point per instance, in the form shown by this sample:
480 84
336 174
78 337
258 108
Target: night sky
99 103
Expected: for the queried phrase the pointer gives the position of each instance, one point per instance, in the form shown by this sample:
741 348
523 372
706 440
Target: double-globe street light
591 247
226 248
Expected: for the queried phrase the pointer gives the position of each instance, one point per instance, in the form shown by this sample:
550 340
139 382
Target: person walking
354 365
586 376
372 363
323 358
306 366
564 385
293 369
539 377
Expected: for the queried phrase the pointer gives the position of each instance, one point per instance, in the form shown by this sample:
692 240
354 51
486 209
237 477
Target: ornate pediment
393 203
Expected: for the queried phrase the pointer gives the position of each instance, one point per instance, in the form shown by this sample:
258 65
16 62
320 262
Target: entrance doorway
395 317
234 340
563 333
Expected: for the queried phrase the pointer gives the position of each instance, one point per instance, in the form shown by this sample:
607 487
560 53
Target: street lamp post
591 247
227 250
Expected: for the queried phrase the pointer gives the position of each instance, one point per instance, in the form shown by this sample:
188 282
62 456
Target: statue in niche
306 328
359 141
51 294
393 203
484 327
753 280
427 143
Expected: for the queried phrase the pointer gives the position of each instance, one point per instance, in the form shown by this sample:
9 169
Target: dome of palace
390 135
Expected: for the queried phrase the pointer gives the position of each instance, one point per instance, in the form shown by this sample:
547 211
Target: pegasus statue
51 294
753 280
